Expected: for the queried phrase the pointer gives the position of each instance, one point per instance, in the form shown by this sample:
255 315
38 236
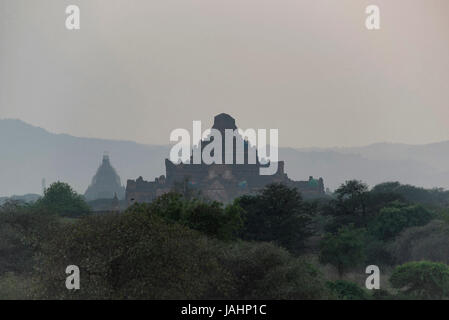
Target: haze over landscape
31 153
136 70
310 68
357 92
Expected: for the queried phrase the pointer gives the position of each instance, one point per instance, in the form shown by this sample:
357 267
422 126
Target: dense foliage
277 214
270 245
344 250
60 199
396 217
346 290
429 242
140 256
211 218
422 280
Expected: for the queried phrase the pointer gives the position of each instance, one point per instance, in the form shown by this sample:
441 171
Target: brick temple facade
221 182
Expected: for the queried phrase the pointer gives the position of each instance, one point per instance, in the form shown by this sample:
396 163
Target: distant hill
28 198
30 153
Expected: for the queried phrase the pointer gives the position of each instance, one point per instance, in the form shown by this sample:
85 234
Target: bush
139 256
422 280
264 271
376 252
343 250
429 242
350 206
14 287
397 217
346 290
22 230
131 256
210 218
433 197
60 199
277 214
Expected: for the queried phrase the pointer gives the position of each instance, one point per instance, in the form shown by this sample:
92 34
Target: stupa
106 183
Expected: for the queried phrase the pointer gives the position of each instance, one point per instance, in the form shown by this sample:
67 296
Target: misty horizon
209 152
308 68
170 143
35 153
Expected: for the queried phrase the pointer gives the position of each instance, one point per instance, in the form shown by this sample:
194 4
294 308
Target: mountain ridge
32 153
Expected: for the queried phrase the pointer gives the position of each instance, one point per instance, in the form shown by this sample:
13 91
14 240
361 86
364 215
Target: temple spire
106 182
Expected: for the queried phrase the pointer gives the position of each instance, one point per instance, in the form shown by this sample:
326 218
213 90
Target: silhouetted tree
265 271
276 214
422 280
396 217
211 218
436 197
344 250
346 290
62 200
130 256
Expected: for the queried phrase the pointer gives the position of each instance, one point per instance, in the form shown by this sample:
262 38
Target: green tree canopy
353 190
265 271
130 256
22 230
396 217
429 242
62 200
344 250
277 214
350 205
210 218
134 255
346 290
422 280
434 197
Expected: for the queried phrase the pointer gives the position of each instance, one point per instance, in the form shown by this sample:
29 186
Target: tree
134 255
377 251
352 196
22 231
265 271
343 249
214 220
351 201
62 200
346 290
210 218
355 204
386 187
350 206
434 197
422 280
396 217
131 255
277 214
429 242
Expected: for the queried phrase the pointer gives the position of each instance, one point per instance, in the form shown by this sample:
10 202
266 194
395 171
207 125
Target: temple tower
106 182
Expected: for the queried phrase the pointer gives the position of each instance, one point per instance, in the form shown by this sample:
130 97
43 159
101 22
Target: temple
220 182
106 183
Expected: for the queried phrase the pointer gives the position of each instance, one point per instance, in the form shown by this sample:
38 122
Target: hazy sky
138 69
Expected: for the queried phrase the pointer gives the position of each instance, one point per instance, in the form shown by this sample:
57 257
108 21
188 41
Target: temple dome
224 121
106 182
